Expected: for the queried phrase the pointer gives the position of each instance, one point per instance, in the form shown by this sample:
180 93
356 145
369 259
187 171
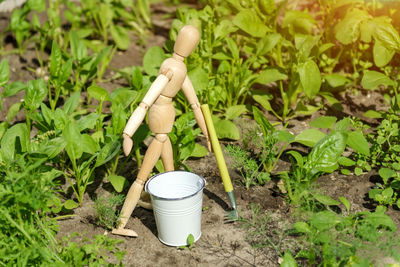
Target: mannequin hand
127 145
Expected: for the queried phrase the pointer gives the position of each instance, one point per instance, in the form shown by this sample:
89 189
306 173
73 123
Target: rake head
231 215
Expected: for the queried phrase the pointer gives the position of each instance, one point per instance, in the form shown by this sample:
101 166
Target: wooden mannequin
172 77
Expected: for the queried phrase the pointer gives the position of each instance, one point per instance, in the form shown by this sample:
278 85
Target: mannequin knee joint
162 137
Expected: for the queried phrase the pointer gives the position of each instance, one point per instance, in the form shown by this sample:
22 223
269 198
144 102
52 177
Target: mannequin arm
188 90
140 112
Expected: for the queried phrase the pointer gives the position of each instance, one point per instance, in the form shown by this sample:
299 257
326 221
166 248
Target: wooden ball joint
158 102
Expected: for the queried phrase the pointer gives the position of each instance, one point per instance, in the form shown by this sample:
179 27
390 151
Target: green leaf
325 154
98 92
88 144
309 137
357 141
323 122
120 36
345 202
250 23
227 129
288 260
199 151
190 240
347 30
72 103
358 171
53 147
13 111
36 92
87 122
55 59
385 33
302 227
10 146
372 114
336 80
118 182
152 60
73 137
199 79
342 125
263 100
78 48
137 78
3 129
310 78
326 200
382 55
372 79
386 174
65 71
4 72
283 136
297 156
346 162
235 111
108 152
270 75
298 22
324 220
262 121
70 204
13 88
123 96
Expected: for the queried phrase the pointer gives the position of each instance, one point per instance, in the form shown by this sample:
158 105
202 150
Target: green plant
331 239
106 210
190 243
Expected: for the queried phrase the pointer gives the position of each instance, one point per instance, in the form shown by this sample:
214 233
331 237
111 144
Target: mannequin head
186 41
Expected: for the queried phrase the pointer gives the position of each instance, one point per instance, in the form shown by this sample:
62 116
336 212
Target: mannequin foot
124 232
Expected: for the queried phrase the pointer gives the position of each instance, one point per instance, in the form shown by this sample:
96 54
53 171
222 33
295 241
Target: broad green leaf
372 114
262 121
70 204
55 59
346 162
123 96
89 145
283 136
3 129
190 240
385 33
324 220
109 151
13 88
60 119
53 147
4 72
386 174
342 125
232 47
326 200
98 92
336 80
199 151
302 227
366 31
223 28
120 36
235 111
36 91
9 144
38 5
13 111
298 22
106 14
140 135
267 43
72 103
347 30
87 122
65 72
263 100
378 220
382 54
227 129
288 260
118 182
325 154
345 202
310 78
73 138
199 79
323 122
137 78
78 48
372 79
270 75
152 60
357 141
309 137
250 23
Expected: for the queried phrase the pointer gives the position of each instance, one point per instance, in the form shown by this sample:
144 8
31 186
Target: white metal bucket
177 198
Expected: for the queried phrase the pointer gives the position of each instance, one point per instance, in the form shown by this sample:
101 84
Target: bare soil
221 244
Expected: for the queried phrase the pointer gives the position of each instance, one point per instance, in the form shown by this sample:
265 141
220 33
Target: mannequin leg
150 159
167 156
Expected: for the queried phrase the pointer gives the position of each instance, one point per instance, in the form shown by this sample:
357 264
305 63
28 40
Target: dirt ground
221 244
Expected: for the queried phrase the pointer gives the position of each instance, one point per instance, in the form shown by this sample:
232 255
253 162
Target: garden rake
231 215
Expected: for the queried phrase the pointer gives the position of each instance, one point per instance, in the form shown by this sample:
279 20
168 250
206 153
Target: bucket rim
203 184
